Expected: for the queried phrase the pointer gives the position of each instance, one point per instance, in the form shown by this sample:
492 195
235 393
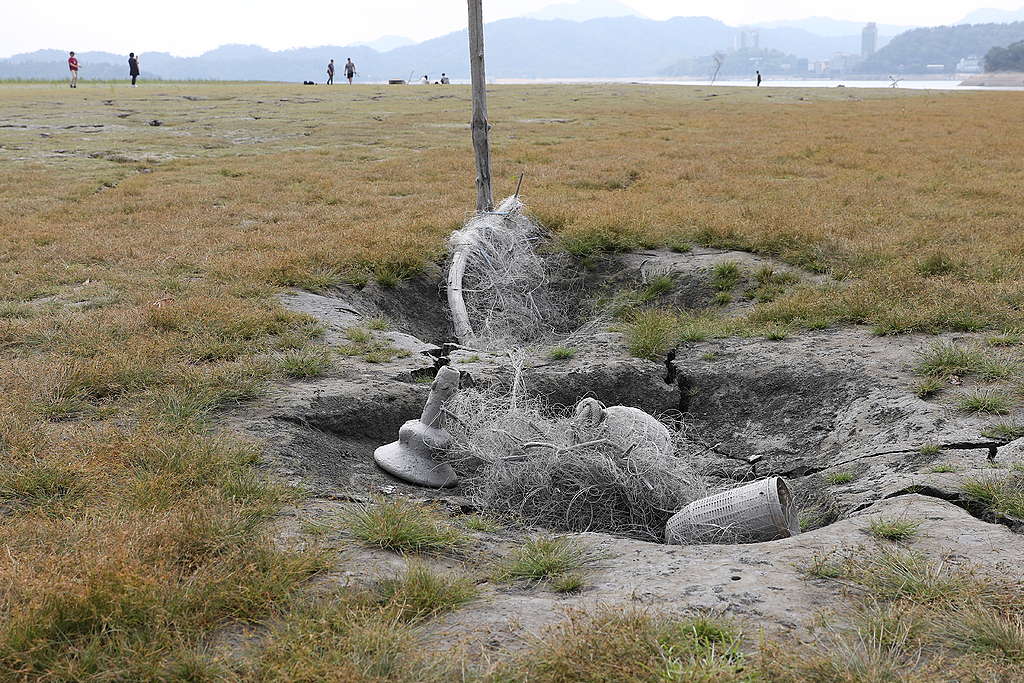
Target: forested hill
913 51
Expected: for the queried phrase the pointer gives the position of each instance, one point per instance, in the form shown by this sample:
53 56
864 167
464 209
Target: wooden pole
481 147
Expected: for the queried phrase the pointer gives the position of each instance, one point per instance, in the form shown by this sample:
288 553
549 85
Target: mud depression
768 437
829 412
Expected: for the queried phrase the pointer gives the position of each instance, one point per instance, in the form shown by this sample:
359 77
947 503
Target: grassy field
145 232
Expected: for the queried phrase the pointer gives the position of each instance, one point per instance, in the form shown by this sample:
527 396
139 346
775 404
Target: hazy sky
190 27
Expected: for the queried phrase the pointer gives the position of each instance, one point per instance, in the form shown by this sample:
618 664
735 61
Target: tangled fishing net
505 283
526 464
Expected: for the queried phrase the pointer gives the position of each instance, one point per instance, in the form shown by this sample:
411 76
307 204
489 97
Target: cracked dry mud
820 403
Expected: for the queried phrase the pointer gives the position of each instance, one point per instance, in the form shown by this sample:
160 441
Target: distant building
869 40
971 65
748 40
844 63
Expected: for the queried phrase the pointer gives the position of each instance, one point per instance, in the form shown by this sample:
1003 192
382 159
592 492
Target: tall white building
868 40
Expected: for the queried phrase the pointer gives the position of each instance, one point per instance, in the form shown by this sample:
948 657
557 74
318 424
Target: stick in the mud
484 198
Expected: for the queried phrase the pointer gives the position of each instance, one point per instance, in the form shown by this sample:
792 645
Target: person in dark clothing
133 67
758 78
330 73
350 70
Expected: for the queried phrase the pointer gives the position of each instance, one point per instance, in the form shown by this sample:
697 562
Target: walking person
133 68
758 78
330 73
350 70
73 68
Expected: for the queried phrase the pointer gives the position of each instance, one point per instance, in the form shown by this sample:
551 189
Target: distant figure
330 73
758 78
444 80
133 68
73 68
350 70
425 80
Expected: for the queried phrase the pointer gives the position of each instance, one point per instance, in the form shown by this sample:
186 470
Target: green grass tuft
650 334
400 525
823 567
480 523
895 574
986 632
838 478
1002 495
776 331
1004 431
569 582
929 386
41 483
769 284
944 359
544 558
358 335
656 287
561 353
725 276
305 362
936 263
894 529
422 593
986 402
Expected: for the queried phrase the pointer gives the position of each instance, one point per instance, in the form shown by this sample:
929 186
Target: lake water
937 84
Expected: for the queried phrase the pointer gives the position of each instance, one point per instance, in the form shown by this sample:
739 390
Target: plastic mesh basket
761 511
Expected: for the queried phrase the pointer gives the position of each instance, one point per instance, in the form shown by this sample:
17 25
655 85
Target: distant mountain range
609 47
516 48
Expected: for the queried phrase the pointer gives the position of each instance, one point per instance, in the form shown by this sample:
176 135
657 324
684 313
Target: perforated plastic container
761 511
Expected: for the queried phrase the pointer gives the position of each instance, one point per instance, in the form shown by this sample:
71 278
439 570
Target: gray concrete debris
761 511
411 458
624 423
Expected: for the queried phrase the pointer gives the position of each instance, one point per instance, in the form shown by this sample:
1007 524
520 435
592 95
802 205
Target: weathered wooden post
481 147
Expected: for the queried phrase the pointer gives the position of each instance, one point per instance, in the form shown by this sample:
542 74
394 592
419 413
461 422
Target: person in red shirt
73 67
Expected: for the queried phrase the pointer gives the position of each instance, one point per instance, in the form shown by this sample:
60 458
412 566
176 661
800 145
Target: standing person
133 68
758 78
350 70
73 68
330 73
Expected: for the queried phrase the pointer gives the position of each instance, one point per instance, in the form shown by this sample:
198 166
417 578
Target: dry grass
632 646
911 618
140 265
